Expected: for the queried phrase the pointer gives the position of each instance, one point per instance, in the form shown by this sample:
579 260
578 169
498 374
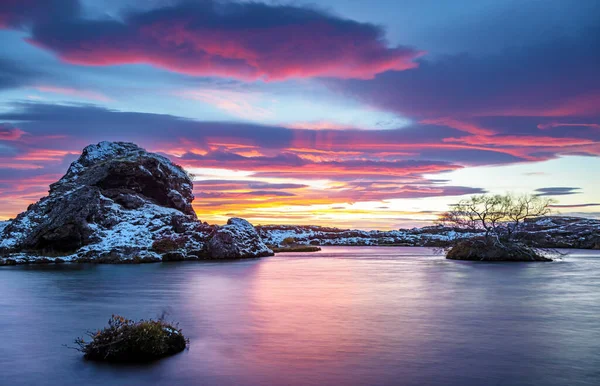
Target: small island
497 221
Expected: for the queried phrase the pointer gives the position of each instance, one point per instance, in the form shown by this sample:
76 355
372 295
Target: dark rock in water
482 250
116 203
173 256
43 260
238 239
199 254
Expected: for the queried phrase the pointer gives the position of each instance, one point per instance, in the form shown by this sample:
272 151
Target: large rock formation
117 203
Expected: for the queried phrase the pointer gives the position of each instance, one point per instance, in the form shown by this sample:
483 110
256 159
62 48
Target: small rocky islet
119 203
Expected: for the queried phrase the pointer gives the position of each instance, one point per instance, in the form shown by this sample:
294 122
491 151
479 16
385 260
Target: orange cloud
523 140
459 125
44 155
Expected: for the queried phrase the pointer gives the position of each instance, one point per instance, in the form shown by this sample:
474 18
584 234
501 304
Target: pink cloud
224 39
459 125
521 140
318 125
552 125
44 155
9 133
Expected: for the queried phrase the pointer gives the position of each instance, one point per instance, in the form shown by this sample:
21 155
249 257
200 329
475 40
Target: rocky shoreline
548 232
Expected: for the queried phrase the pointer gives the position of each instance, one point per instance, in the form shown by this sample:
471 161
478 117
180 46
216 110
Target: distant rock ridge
547 232
119 203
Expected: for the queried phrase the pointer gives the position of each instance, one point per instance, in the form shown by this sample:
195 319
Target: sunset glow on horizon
349 114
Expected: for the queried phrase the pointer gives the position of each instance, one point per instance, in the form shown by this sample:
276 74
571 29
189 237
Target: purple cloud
246 40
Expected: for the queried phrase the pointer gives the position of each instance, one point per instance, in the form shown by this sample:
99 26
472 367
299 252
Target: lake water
343 316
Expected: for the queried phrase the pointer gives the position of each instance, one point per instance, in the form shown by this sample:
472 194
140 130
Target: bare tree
498 216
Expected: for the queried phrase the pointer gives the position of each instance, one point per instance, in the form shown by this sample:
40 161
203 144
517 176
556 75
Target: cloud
242 40
269 193
557 191
522 140
228 141
10 133
244 184
552 125
319 125
273 172
553 78
251 167
263 185
292 165
532 102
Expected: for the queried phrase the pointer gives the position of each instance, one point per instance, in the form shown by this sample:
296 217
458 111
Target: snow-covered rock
117 203
433 236
237 239
547 232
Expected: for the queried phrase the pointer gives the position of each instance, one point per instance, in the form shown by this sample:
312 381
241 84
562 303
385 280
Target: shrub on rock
125 340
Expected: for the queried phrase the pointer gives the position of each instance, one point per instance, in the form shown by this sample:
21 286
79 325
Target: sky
364 114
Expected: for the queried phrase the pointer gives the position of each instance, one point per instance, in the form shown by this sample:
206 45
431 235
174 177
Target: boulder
237 240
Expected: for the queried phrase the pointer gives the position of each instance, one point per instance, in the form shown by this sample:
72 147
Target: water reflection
355 316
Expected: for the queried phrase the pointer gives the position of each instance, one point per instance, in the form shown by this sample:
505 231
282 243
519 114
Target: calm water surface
344 316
